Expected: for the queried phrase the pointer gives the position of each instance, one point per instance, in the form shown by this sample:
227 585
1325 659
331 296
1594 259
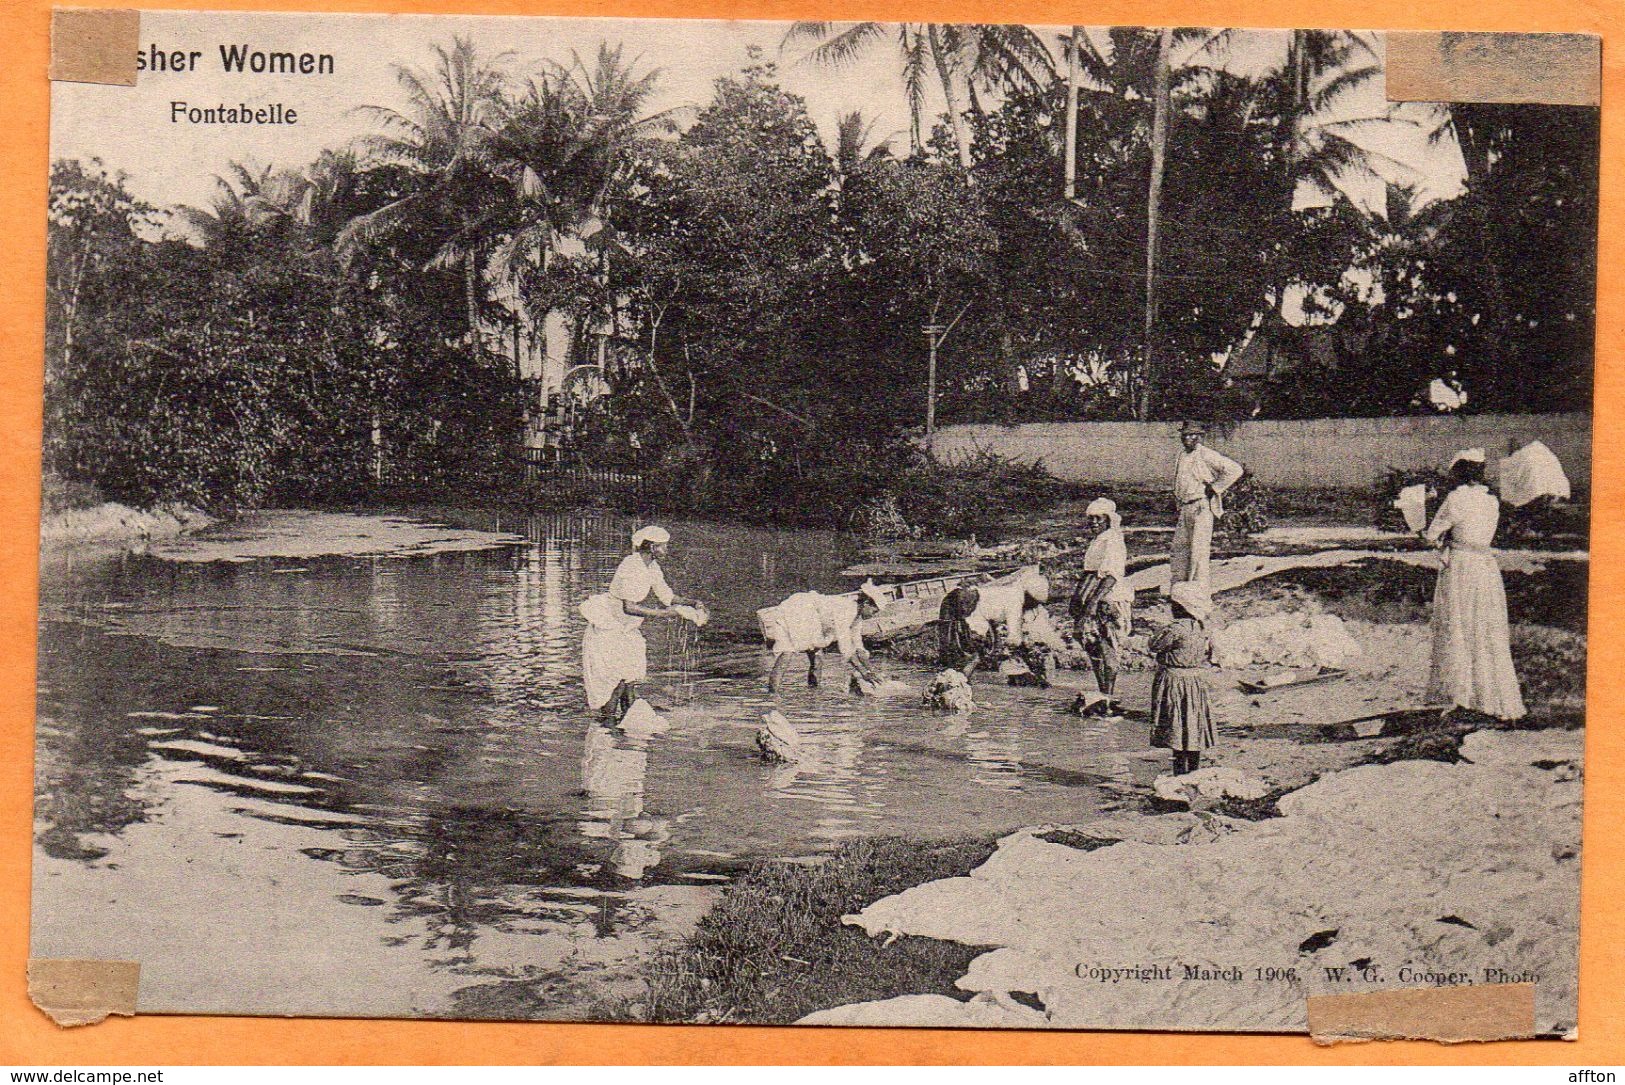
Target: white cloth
651 534
1108 556
1532 471
1002 603
1472 654
811 621
1193 597
1039 628
698 615
613 649
1197 471
1412 504
1446 395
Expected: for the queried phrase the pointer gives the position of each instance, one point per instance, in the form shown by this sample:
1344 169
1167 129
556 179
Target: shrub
1246 511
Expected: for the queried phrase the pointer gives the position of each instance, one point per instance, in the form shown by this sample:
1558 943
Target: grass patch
1442 743
1259 809
1394 592
1551 666
1071 838
773 949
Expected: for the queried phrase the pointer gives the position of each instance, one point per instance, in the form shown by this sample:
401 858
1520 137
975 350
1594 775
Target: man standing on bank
1201 476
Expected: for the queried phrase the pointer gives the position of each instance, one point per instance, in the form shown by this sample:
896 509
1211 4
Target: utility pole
933 337
1072 64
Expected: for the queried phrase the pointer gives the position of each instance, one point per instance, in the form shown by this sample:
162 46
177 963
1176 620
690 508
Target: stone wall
1331 453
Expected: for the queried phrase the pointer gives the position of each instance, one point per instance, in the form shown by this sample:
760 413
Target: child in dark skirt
1181 717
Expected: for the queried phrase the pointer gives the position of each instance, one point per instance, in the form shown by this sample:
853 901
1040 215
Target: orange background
28 1038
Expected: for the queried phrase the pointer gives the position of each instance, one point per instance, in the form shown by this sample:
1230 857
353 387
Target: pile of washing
1287 639
1465 869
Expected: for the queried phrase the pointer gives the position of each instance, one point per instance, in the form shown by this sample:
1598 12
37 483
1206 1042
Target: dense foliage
754 297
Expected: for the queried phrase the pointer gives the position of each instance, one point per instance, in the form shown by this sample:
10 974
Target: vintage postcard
829 523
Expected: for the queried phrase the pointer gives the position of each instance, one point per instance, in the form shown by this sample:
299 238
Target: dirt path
1231 573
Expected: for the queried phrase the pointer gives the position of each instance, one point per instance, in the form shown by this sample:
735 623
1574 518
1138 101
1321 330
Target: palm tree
966 57
1323 68
1161 103
1319 69
441 136
1143 65
248 200
854 144
567 147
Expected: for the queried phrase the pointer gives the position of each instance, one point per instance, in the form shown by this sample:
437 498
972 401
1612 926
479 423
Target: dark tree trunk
1153 215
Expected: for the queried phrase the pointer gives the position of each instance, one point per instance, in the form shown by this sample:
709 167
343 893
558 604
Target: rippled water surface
368 785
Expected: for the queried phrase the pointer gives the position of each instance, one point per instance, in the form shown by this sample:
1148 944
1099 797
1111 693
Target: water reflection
390 757
613 771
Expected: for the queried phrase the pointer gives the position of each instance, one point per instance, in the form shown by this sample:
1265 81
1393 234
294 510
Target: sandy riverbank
1410 874
112 524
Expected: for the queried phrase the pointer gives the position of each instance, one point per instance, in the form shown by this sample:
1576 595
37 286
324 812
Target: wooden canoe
1325 674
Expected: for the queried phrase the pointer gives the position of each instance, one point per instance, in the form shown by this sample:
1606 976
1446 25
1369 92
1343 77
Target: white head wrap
1104 506
650 534
1193 597
872 591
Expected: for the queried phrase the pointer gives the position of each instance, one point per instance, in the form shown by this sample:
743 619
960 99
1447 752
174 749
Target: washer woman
614 655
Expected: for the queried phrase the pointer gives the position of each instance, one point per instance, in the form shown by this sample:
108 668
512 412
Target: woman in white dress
1472 654
811 621
614 655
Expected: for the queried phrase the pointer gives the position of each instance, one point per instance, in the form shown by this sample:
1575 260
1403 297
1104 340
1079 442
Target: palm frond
805 30
1012 57
1342 83
845 47
376 225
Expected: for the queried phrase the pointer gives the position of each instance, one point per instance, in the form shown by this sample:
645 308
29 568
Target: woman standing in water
1103 606
614 655
1472 653
1181 715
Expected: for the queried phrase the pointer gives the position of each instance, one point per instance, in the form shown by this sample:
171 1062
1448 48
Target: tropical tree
1142 65
966 58
855 145
441 137
1300 99
735 246
248 199
94 227
568 147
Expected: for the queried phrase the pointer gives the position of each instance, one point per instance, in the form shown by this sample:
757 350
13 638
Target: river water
366 784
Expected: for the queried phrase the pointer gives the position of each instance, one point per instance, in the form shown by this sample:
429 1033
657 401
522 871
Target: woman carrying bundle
1472 654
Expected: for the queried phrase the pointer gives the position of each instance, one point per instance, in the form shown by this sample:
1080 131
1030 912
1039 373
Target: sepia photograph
845 524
